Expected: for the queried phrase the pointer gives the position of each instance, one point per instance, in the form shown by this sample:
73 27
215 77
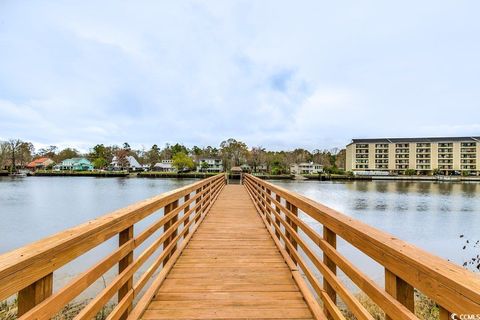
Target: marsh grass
8 310
425 308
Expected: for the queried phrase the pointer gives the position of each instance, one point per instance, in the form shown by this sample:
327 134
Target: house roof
163 165
38 161
75 161
407 140
236 169
131 160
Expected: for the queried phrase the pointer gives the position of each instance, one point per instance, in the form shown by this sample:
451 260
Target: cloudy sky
280 74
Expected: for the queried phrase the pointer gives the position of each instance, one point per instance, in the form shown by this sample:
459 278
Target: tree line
16 153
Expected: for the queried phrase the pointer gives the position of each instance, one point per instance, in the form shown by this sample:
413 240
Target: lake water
430 215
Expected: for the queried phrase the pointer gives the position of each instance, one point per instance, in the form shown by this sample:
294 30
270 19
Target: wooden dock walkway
231 269
212 250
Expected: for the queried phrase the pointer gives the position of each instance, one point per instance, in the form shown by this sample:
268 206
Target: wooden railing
28 271
454 289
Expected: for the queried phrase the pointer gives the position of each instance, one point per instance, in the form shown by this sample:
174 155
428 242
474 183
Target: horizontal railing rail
28 271
453 288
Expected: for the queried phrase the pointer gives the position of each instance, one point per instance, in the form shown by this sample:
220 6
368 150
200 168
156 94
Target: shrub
410 172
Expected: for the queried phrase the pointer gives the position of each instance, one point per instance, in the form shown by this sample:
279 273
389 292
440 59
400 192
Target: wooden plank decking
231 269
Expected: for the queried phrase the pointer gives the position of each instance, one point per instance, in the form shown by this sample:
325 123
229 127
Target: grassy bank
326 177
274 176
45 173
154 174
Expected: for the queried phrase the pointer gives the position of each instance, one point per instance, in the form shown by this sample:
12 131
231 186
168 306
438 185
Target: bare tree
257 157
233 152
4 153
14 145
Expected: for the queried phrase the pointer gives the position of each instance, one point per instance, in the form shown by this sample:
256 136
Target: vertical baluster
185 212
331 238
35 293
400 290
123 237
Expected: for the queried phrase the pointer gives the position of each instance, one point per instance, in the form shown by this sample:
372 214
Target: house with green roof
74 164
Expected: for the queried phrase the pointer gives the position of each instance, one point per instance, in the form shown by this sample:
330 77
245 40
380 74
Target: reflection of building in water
469 188
424 155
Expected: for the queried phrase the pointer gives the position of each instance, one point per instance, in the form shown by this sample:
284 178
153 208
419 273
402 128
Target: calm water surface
430 215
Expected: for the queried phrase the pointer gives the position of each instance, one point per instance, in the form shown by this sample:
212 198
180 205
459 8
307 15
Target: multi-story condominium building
451 155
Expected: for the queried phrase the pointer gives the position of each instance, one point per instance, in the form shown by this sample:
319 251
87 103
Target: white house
306 168
133 164
209 165
164 166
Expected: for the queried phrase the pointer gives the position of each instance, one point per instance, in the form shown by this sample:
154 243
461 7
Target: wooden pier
221 251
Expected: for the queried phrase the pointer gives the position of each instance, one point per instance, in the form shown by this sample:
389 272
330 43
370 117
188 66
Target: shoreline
203 175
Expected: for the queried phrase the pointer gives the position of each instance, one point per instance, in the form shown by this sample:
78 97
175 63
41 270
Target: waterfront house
209 165
306 168
258 168
131 164
40 163
165 165
74 164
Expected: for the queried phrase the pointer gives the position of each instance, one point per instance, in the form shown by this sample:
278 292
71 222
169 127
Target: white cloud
312 73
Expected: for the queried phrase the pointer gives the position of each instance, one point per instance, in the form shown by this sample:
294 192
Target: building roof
236 169
407 140
38 161
132 162
309 164
163 165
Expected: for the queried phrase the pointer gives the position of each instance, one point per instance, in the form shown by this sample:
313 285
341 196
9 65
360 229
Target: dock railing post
123 237
400 290
289 221
199 202
35 293
269 203
185 199
168 224
330 237
277 209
